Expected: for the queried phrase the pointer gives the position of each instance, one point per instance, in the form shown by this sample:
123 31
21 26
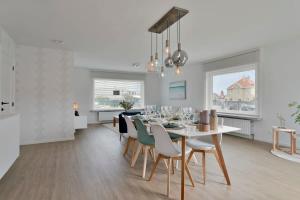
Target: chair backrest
142 133
131 130
163 142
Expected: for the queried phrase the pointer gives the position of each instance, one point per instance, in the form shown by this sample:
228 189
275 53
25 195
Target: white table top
194 132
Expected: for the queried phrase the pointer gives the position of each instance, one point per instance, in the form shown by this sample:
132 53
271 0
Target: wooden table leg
221 158
274 140
295 142
292 143
182 166
114 121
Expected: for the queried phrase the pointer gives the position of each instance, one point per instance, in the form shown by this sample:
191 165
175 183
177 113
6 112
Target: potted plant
127 103
296 114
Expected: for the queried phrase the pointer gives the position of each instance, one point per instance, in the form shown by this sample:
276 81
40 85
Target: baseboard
48 141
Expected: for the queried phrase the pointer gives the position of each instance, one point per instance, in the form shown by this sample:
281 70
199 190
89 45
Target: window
233 90
108 93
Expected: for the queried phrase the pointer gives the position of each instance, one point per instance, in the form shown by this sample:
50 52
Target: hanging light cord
151 43
156 43
162 47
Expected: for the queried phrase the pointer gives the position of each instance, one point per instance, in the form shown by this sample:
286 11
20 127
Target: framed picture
177 90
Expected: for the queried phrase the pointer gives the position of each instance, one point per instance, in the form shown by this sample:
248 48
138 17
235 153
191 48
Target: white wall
44 94
83 88
194 76
279 72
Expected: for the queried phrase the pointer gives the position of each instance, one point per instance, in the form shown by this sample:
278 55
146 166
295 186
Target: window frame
240 68
117 109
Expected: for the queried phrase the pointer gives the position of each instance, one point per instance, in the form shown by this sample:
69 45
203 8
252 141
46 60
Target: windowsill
239 116
115 110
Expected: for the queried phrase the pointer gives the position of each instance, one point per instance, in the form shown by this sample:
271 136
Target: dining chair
131 136
146 143
203 147
167 150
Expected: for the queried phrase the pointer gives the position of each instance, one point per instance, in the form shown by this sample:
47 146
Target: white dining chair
167 150
200 146
131 137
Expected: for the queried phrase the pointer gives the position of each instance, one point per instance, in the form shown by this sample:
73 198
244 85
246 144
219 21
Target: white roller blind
109 92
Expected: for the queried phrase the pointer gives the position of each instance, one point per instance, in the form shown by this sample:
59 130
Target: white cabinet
9 141
7 74
80 122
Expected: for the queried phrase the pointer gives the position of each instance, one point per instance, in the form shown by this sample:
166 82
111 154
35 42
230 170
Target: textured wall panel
44 94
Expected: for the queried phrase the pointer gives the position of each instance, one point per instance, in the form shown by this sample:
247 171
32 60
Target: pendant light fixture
150 65
167 48
179 57
168 60
162 70
156 60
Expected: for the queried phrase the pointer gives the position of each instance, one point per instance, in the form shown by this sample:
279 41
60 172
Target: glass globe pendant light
150 65
162 71
179 57
156 60
168 60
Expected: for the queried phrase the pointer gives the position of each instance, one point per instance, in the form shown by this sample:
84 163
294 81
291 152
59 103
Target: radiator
107 116
245 125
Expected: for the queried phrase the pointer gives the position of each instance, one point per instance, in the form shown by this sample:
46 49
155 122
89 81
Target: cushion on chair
198 144
122 122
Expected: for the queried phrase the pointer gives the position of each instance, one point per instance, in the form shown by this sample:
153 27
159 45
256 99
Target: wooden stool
293 136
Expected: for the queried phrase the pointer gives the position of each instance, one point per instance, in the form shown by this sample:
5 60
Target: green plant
296 114
127 105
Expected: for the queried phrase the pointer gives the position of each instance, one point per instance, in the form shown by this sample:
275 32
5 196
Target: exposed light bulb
167 48
178 70
156 60
162 73
150 66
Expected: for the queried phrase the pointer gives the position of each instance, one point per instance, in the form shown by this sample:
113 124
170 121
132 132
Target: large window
233 90
108 93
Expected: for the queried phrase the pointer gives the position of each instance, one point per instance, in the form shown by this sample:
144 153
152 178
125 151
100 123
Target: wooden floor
92 168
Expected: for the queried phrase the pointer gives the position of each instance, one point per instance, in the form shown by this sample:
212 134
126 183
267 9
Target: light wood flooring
93 168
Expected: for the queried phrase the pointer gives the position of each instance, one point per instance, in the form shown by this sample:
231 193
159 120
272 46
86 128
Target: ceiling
112 34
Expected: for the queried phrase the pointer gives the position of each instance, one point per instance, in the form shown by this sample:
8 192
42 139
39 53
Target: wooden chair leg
190 156
166 164
136 155
127 146
169 177
203 167
195 159
173 167
154 167
132 150
145 161
189 174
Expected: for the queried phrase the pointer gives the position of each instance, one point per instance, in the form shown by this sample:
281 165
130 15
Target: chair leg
154 167
127 146
132 150
173 167
190 156
166 164
136 155
177 161
189 174
169 177
145 161
203 167
195 159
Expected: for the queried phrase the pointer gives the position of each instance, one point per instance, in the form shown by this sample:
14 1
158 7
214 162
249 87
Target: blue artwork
177 90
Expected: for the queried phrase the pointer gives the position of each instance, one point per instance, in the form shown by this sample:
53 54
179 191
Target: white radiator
107 116
245 125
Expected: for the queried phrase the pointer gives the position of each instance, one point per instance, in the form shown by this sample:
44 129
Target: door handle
4 103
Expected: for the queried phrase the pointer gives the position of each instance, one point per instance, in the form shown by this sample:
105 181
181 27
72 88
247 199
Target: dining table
193 132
